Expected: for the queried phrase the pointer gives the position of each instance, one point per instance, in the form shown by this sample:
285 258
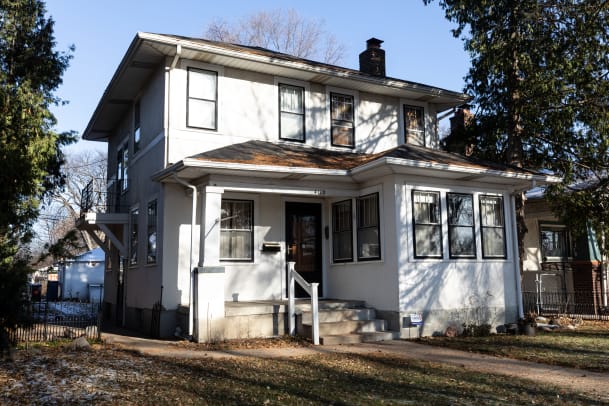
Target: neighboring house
230 161
82 278
562 272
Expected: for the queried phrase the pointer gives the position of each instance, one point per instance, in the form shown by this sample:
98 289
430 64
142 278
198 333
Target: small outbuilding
82 278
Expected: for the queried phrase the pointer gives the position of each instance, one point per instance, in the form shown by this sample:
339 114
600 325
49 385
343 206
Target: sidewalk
575 379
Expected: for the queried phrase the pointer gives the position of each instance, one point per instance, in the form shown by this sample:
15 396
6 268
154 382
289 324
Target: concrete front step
330 304
358 338
346 327
330 316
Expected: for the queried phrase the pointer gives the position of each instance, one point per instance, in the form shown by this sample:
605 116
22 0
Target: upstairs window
414 125
122 159
493 227
151 235
462 241
343 128
342 231
133 237
237 230
427 224
291 110
368 236
136 128
202 108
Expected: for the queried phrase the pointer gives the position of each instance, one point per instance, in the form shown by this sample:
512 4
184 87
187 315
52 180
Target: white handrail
312 290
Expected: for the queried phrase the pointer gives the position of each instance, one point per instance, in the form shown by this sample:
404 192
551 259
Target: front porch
340 321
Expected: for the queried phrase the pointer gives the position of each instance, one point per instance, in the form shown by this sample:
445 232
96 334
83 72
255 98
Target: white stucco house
226 162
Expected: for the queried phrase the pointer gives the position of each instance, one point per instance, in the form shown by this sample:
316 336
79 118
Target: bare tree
282 31
56 223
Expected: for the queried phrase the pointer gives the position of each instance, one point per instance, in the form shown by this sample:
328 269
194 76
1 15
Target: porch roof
297 162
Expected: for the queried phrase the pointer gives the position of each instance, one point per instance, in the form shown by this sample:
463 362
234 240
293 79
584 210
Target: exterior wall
253 98
264 278
372 281
454 291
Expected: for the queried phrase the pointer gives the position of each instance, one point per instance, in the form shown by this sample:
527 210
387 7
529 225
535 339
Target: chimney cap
374 43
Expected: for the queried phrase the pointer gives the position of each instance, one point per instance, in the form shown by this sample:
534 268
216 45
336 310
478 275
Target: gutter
191 262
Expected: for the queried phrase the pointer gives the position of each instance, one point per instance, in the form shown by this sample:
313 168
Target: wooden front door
303 241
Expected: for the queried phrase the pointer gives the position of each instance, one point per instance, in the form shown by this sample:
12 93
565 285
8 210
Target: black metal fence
587 305
56 320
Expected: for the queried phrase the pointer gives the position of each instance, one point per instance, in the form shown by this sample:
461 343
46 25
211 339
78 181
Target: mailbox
271 246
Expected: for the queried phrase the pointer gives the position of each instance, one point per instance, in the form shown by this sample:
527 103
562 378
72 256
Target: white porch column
209 275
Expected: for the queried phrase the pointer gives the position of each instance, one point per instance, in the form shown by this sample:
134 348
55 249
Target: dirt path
574 379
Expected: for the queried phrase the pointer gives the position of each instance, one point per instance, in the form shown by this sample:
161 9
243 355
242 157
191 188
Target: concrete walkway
575 379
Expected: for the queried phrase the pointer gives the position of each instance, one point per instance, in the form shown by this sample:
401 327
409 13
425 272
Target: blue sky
418 43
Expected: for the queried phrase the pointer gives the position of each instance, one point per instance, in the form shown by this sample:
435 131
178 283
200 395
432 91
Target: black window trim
451 227
304 110
346 260
482 227
378 226
332 120
440 225
188 97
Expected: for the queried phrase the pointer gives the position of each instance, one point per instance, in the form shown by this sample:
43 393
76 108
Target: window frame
281 85
134 214
137 123
568 248
337 234
483 226
336 122
122 164
152 226
359 228
436 226
216 75
251 231
422 133
451 227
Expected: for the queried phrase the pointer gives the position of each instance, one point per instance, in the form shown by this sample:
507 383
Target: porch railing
312 290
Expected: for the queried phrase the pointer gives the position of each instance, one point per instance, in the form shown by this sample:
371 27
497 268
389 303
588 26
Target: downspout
174 63
191 262
516 259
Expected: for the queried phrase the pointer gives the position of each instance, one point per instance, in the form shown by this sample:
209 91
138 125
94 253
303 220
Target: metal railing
48 324
584 304
312 289
104 197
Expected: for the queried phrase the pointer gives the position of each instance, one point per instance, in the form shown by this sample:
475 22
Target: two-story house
228 162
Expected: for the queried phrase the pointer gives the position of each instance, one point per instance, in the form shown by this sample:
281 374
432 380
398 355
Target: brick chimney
372 60
456 141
